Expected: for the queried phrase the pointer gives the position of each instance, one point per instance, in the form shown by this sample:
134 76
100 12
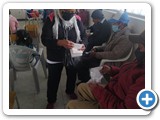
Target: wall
136 24
18 13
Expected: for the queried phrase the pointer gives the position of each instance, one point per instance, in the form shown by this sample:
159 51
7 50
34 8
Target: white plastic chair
20 60
117 60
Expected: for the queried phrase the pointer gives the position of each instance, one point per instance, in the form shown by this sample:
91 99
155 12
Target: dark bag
69 61
24 38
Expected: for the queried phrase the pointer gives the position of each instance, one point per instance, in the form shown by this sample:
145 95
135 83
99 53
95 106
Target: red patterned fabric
121 91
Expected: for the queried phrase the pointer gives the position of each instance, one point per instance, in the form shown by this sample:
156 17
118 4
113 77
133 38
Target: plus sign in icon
147 99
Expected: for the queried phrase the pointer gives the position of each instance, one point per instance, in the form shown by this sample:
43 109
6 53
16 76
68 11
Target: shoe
72 96
50 106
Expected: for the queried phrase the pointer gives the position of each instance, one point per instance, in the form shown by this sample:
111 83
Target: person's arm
47 34
120 50
130 99
99 48
82 32
108 99
101 34
110 70
16 23
49 41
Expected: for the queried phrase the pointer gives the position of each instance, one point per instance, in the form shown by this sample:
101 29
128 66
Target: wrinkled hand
105 69
65 43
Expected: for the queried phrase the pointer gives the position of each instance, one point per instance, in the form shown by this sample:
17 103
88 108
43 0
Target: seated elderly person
121 90
118 46
101 30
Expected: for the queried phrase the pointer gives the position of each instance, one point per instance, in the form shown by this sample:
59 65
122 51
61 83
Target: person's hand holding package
105 69
83 47
65 43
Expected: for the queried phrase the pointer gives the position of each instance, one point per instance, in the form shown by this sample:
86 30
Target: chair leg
43 64
36 81
11 79
14 75
17 102
12 99
12 95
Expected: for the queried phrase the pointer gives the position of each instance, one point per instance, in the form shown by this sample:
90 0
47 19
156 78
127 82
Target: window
134 11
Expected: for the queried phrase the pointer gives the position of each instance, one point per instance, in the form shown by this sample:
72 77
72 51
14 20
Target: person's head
121 23
97 16
9 12
67 14
140 51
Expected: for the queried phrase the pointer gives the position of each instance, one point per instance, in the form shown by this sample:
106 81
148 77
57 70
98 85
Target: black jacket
55 52
101 34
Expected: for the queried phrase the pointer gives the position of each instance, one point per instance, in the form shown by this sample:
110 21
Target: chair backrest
32 29
20 57
119 62
132 56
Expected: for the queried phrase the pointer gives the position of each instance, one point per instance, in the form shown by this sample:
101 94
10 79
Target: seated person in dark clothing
118 46
101 30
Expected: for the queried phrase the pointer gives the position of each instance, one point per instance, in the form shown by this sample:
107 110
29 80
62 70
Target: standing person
60 31
121 90
13 23
101 30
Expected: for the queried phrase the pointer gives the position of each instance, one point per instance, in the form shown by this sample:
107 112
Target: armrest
40 51
96 46
117 60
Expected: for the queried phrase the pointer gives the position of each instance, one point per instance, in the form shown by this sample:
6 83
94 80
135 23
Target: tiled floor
26 93
27 96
